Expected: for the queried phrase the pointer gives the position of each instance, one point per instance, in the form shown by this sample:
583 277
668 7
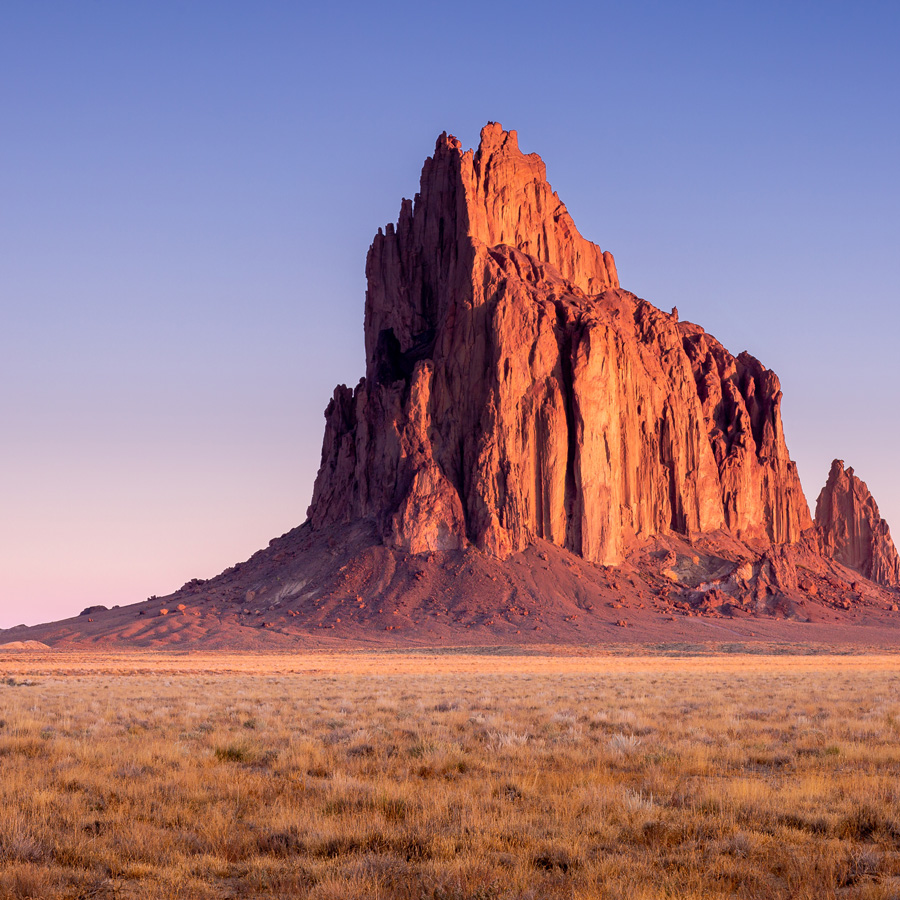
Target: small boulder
90 610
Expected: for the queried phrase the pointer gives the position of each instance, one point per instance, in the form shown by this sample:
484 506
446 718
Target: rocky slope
340 587
851 531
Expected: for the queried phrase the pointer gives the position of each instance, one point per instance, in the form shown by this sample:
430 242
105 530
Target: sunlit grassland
444 777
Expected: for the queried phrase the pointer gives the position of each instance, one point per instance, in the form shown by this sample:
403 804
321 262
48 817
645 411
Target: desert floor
545 773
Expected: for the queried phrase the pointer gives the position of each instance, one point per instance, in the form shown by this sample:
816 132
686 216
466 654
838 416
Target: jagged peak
851 529
501 403
493 138
506 199
447 142
494 135
470 202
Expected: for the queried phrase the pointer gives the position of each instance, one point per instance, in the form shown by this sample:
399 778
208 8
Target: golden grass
449 776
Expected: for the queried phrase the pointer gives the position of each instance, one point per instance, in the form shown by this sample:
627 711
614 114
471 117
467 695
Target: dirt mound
24 645
341 588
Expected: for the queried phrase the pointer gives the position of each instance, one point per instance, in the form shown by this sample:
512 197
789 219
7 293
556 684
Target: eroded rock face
851 531
514 391
741 399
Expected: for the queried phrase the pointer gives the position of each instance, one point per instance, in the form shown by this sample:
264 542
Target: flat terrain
530 773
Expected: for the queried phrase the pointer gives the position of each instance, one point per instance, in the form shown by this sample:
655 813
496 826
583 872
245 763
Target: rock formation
514 391
851 531
519 403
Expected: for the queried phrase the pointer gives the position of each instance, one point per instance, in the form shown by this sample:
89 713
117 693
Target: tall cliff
516 398
851 530
514 391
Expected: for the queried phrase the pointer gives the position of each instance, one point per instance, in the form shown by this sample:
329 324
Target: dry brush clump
761 778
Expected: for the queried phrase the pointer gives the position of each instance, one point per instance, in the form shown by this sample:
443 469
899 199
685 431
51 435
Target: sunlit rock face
514 391
851 531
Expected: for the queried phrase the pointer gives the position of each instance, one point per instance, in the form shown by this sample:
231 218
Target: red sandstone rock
760 489
850 529
540 412
516 396
513 391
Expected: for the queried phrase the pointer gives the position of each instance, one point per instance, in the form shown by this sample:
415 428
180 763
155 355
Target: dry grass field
447 776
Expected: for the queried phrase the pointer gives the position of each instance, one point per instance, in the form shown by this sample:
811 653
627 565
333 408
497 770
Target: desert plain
757 771
492 662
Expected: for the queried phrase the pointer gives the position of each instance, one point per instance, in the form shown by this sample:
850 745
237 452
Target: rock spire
851 531
514 391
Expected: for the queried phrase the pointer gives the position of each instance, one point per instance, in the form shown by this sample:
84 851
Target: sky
188 192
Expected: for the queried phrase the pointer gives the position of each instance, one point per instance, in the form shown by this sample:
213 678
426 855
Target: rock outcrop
851 531
534 455
741 399
514 391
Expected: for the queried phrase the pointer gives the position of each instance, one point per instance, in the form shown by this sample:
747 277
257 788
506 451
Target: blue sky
188 191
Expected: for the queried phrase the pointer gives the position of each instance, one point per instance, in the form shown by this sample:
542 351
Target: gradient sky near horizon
188 191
